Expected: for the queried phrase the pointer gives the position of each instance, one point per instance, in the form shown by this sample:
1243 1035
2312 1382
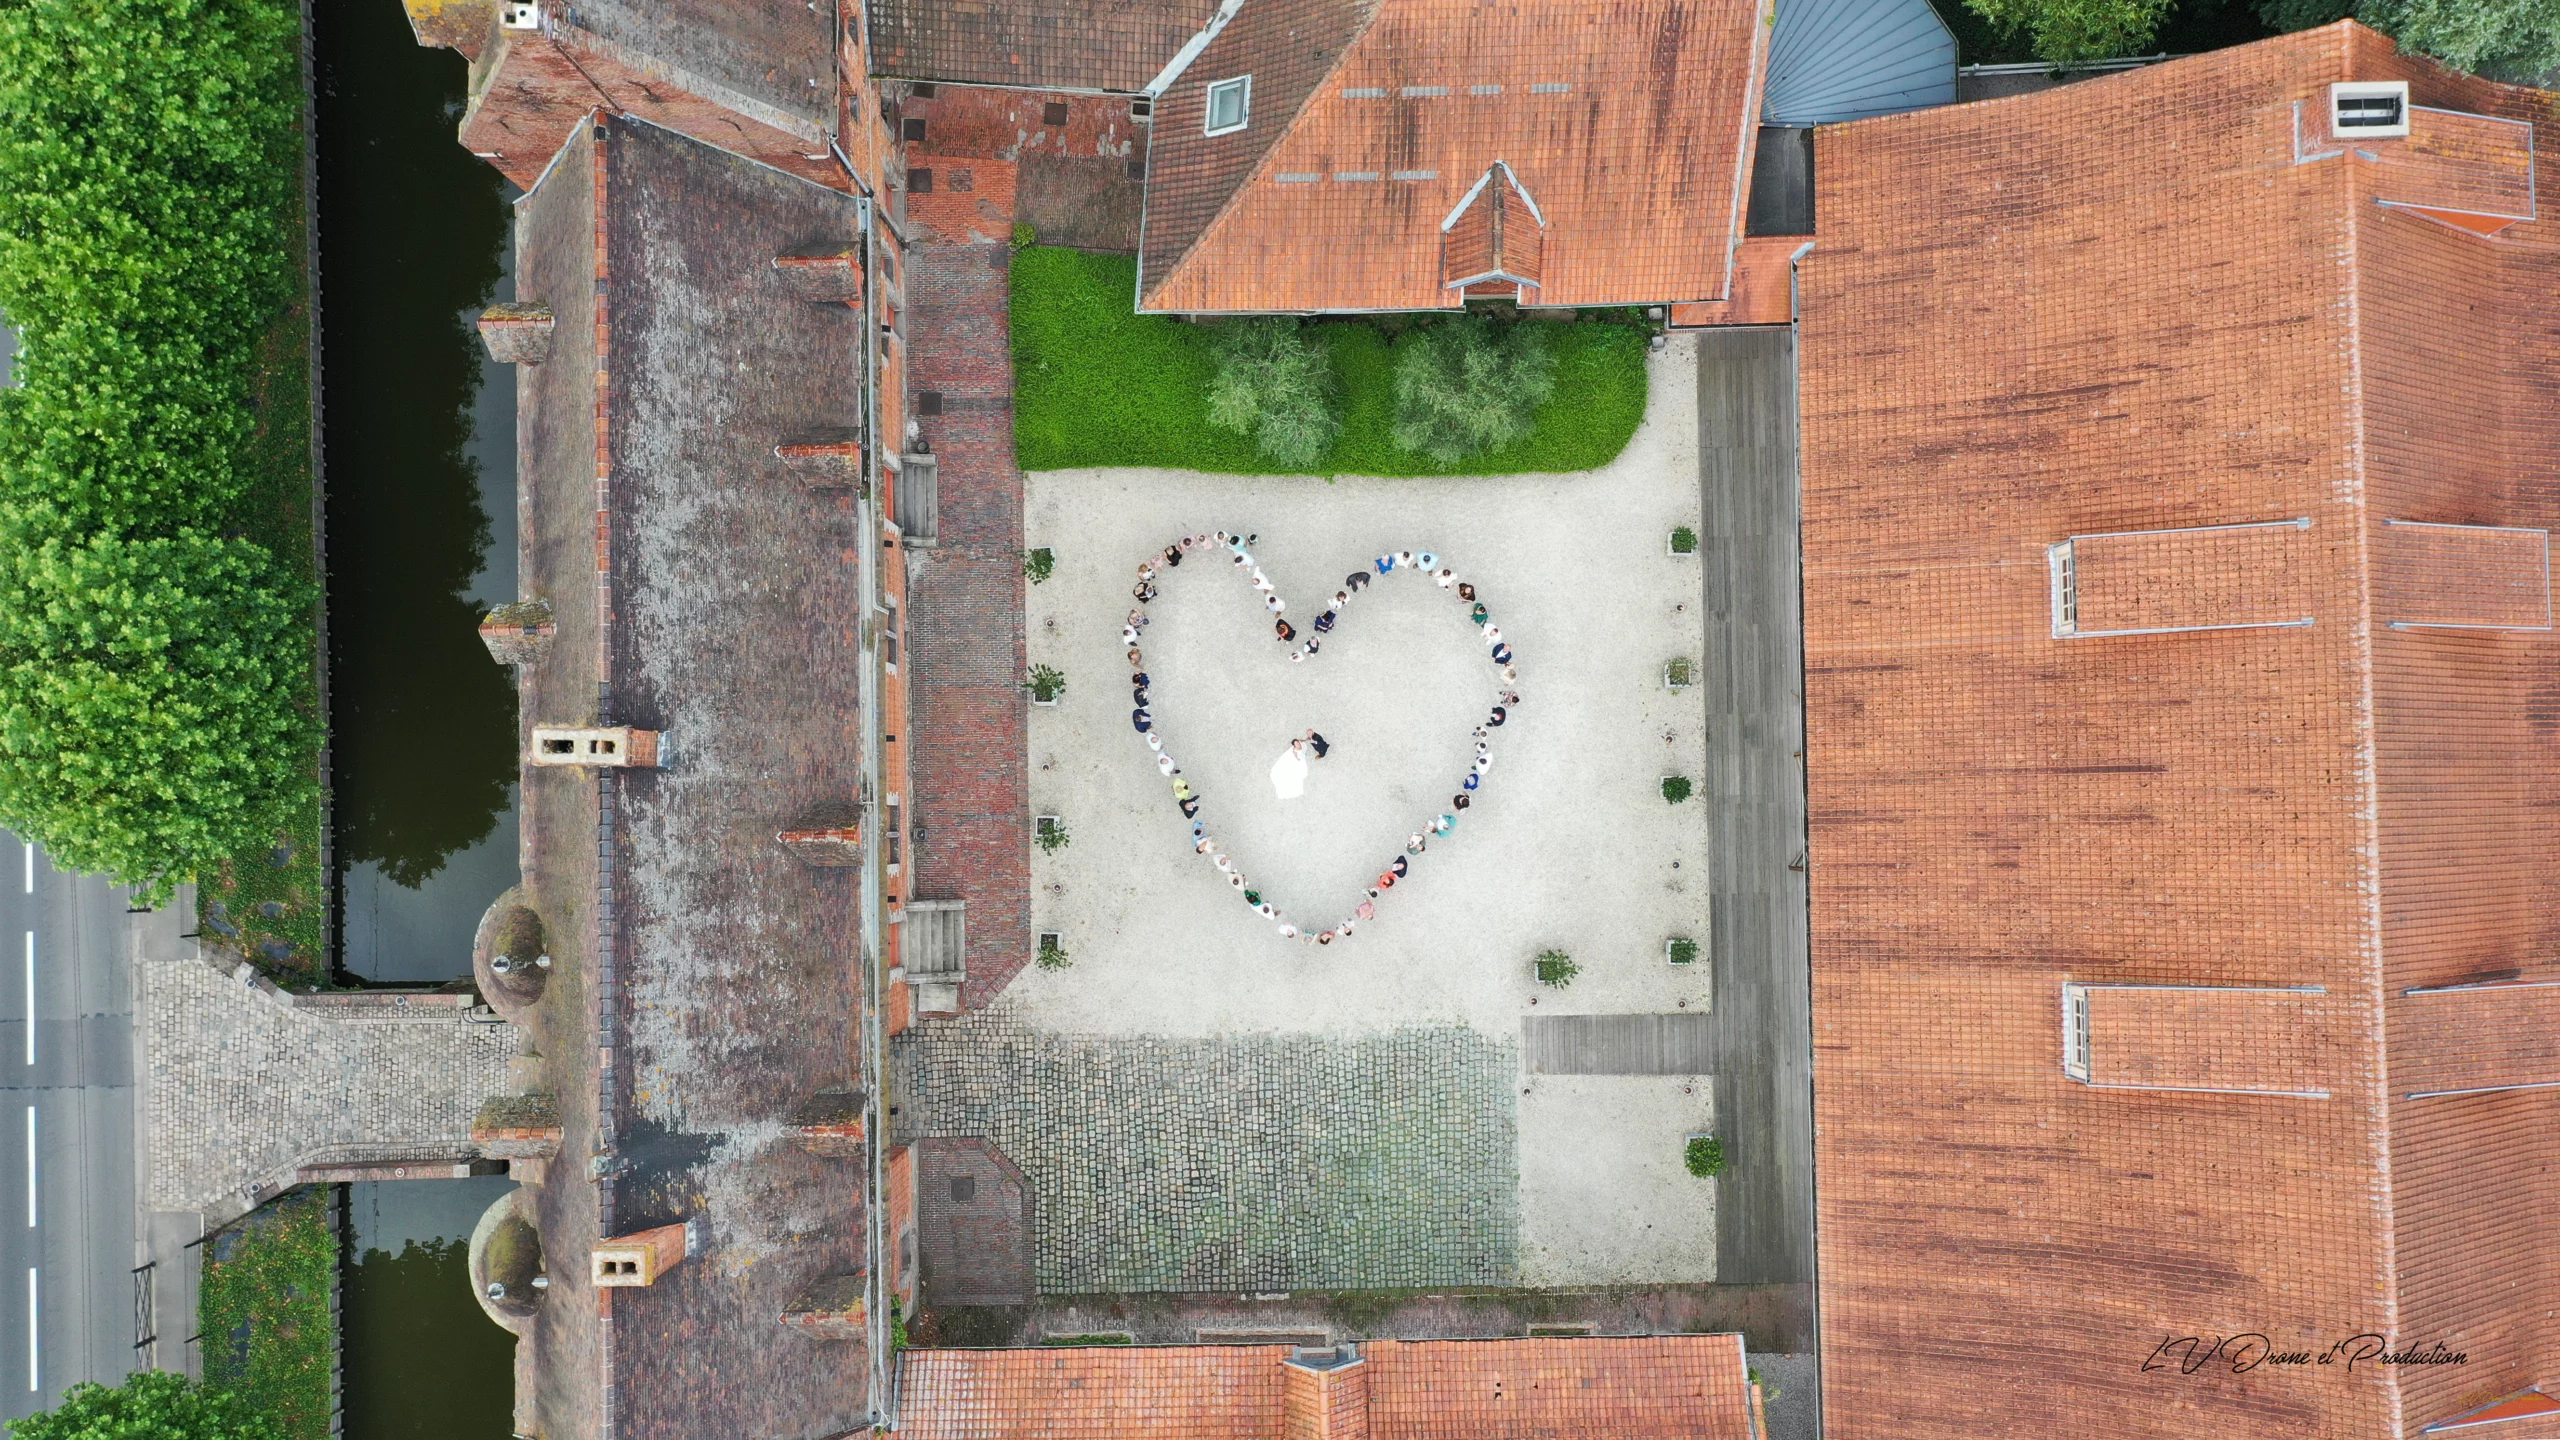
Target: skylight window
1230 105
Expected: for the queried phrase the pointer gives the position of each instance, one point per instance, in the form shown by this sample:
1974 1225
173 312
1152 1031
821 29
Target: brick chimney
517 633
517 334
592 747
634 1260
823 459
830 275
1324 1395
829 1123
832 1308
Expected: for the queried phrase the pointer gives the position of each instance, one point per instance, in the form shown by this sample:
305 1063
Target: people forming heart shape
1289 773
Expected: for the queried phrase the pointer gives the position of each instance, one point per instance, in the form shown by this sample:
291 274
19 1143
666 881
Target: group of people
1289 773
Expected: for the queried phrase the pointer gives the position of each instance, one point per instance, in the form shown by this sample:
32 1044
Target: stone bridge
251 1090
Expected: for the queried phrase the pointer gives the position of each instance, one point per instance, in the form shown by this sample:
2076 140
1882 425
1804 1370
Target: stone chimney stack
634 1260
517 334
595 747
827 275
1324 1395
829 1123
832 1308
516 634
828 837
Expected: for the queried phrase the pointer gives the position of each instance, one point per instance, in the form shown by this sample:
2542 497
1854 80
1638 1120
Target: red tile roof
2155 302
1672 1387
1629 129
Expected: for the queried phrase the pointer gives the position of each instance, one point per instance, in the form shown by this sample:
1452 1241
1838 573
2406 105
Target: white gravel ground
1568 844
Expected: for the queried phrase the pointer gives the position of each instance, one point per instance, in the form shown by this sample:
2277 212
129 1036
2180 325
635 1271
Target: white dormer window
1230 104
2375 109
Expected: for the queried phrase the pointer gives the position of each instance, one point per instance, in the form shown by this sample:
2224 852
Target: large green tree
149 1405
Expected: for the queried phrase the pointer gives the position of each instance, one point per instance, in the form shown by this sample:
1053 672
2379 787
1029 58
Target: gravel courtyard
1568 845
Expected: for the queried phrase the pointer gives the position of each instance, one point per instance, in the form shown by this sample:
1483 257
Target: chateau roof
2267 379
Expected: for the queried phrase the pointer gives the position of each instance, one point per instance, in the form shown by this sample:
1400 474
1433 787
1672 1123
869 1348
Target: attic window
1550 89
2075 1031
1053 113
1230 105
2371 108
1365 92
1142 107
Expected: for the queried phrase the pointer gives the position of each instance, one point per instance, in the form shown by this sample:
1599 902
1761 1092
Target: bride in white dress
1289 772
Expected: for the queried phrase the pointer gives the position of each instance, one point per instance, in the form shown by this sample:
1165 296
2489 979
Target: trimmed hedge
1096 383
156 701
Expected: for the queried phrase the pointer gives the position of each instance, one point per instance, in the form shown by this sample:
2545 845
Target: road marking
32 1353
31 1167
31 867
31 997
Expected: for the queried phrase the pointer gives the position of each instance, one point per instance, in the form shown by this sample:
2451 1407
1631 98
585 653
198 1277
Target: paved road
67 1200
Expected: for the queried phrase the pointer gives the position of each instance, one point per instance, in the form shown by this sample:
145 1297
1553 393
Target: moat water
419 440
419 431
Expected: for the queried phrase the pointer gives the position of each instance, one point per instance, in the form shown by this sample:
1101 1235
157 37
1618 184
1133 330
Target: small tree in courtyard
1470 385
1276 385
149 1405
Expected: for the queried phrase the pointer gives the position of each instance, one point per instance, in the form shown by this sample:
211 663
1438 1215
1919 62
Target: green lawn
1096 383
263 1310
270 900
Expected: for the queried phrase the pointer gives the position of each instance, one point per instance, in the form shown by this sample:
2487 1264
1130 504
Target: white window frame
2075 1031
1242 86
2361 93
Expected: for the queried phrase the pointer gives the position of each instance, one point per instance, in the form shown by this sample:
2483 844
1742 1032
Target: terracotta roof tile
2234 1038
1672 1387
1042 44
2462 576
1629 129
2143 303
2476 1037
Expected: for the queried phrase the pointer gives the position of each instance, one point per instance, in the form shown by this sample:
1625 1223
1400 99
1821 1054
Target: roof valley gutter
2369 778
876 1329
1191 48
1795 288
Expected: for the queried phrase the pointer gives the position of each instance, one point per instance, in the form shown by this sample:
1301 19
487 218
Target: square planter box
1671 547
1042 825
1671 952
1680 674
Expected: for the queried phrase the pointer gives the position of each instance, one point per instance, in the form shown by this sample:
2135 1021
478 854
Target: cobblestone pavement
1246 1162
244 1082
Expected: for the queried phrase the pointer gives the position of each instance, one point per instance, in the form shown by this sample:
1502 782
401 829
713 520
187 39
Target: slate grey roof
770 56
1043 44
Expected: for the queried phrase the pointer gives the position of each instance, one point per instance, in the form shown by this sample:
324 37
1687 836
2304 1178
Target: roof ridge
1262 162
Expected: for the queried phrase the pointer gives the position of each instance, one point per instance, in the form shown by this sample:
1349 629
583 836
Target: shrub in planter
1682 951
1469 385
1046 684
1038 564
1556 969
1705 1156
1052 955
1052 834
1679 673
1275 384
1675 788
1684 541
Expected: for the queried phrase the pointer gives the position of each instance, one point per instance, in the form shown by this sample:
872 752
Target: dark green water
420 445
420 1361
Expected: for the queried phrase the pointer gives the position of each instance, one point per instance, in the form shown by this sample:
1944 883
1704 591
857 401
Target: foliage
1046 684
1683 951
152 696
1052 955
1679 671
897 1326
1705 1156
1276 385
1025 235
1556 969
1684 541
1468 385
1038 565
1768 1392
2290 15
1675 788
2065 31
149 1405
1098 384
263 1309
2515 40
1105 1337
1052 835
156 661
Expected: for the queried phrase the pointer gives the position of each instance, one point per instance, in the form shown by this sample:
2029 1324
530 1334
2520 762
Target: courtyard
1197 1102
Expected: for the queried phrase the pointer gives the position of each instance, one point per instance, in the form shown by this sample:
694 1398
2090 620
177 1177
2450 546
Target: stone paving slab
1253 1162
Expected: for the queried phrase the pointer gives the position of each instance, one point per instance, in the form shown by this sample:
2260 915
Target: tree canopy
149 1405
